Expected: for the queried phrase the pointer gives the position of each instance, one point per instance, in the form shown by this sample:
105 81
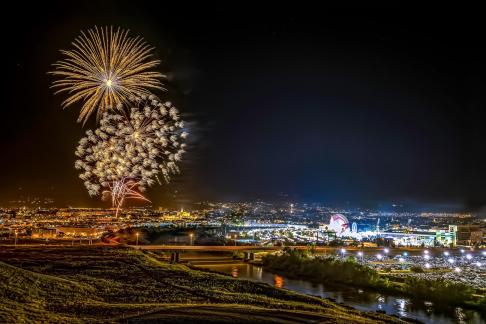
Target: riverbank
109 284
330 270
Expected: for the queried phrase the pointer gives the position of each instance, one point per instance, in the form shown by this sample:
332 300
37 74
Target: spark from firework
127 152
104 69
121 190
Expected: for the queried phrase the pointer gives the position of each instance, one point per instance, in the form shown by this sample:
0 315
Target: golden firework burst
104 69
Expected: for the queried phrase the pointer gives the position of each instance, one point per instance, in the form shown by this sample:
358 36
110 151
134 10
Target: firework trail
131 151
104 69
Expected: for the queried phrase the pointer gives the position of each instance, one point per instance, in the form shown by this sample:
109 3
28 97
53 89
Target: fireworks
104 69
130 152
121 190
139 139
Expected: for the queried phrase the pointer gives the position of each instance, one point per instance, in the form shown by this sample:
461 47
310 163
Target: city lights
335 164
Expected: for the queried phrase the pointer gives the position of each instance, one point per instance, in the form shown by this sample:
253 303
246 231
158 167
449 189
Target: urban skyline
175 164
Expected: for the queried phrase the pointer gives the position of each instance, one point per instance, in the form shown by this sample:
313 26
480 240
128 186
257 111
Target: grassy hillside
112 284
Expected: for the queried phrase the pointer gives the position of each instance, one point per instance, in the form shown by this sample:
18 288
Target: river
357 298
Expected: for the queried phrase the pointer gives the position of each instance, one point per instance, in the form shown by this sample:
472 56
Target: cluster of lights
427 256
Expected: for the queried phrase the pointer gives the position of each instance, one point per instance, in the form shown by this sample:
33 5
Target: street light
468 256
401 259
342 252
457 269
386 250
446 253
426 257
427 266
450 260
379 256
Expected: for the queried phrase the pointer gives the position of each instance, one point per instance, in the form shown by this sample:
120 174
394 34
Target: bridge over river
254 248
209 248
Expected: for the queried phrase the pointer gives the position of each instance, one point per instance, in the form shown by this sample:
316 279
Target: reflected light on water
429 307
402 307
460 316
359 298
279 281
381 301
257 272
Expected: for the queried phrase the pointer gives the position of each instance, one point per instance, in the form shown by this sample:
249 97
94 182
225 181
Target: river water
357 298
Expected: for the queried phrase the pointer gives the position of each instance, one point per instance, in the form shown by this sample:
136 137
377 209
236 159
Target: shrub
416 269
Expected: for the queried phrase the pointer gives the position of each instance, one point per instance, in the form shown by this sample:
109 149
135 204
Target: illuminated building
79 231
466 234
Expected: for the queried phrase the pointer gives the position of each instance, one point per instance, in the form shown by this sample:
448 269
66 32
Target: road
207 248
258 248
230 248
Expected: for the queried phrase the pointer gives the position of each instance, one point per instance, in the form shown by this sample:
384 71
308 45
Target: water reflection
461 317
234 272
279 281
401 305
357 298
380 300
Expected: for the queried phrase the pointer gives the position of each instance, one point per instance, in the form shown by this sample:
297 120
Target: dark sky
354 104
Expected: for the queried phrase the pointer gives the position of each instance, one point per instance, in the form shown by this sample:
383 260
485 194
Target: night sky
352 105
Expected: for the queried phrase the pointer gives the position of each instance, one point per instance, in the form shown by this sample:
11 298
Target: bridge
175 250
222 248
248 250
209 248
